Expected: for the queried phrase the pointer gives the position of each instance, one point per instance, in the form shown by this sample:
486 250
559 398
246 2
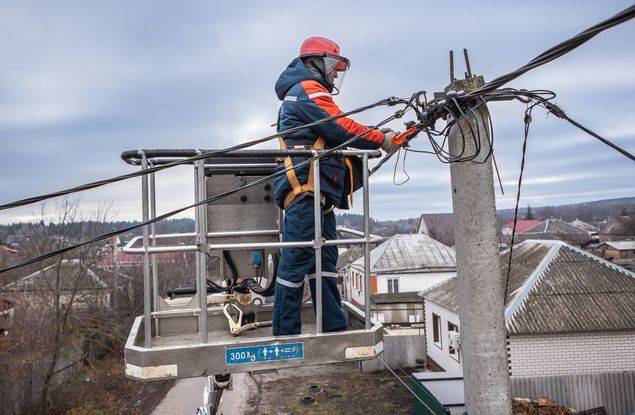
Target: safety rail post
366 208
317 243
153 256
147 296
201 242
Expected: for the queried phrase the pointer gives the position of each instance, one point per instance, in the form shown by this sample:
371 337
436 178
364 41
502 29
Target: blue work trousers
298 264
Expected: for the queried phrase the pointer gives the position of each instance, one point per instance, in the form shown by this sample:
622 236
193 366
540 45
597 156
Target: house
113 256
71 279
555 229
619 252
619 249
585 226
617 229
521 226
405 263
566 312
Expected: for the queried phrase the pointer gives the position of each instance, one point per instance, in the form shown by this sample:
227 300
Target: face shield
335 68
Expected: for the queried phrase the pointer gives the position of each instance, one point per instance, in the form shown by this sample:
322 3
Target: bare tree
60 305
440 231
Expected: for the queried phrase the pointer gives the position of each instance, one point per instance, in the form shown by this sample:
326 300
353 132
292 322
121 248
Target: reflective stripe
324 274
290 98
289 283
319 94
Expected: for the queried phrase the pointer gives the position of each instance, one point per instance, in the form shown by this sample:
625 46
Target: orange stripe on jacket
327 104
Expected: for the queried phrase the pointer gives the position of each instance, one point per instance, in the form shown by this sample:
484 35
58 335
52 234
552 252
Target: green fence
432 405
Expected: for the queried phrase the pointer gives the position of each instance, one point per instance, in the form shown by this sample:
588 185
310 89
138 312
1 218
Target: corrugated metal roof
554 226
410 253
584 226
445 294
621 245
555 288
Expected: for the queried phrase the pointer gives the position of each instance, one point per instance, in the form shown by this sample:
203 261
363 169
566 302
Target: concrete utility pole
481 308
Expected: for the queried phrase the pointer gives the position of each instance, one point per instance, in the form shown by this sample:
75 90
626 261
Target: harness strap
297 188
351 172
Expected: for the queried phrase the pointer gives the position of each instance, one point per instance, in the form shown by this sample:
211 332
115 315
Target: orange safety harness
298 188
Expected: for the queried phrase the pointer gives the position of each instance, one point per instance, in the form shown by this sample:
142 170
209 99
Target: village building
585 226
402 264
619 228
522 225
71 280
556 229
566 312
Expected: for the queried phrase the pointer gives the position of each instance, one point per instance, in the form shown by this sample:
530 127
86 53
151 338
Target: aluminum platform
179 353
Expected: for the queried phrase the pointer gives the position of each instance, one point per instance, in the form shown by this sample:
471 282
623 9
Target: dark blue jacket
306 98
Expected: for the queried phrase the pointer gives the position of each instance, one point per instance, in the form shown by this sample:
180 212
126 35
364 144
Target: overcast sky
80 82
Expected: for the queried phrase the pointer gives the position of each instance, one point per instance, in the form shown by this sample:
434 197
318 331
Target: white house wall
571 353
412 282
415 282
441 354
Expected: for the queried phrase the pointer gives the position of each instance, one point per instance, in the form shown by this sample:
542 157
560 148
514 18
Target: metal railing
149 249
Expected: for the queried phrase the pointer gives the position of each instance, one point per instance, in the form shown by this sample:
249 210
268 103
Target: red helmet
321 46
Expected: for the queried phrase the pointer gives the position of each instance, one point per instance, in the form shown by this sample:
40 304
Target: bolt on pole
481 308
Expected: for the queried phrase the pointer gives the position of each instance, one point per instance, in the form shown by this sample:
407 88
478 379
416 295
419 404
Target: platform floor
220 336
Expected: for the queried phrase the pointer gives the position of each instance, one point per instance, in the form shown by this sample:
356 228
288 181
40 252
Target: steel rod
317 211
197 271
147 294
253 245
366 203
132 156
202 243
153 257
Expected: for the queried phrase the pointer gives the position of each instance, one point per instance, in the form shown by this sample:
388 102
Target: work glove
388 146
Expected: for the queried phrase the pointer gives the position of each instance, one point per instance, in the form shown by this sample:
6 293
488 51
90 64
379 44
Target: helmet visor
336 68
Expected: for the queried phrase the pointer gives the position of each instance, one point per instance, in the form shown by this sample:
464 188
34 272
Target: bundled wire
210 199
558 50
188 160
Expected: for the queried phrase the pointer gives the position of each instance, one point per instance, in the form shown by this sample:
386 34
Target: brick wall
571 354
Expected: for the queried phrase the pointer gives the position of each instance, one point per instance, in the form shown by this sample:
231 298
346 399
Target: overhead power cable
99 183
558 50
211 199
558 112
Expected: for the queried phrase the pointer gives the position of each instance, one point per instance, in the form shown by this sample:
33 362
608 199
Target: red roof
522 225
7 250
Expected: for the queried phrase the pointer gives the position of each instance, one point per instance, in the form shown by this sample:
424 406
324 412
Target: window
436 330
453 352
393 285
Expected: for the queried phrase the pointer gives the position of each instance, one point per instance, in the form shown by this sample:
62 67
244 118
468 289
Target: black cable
98 238
520 182
99 183
558 112
557 51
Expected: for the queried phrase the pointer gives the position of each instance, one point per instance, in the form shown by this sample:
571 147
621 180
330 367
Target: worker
306 89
